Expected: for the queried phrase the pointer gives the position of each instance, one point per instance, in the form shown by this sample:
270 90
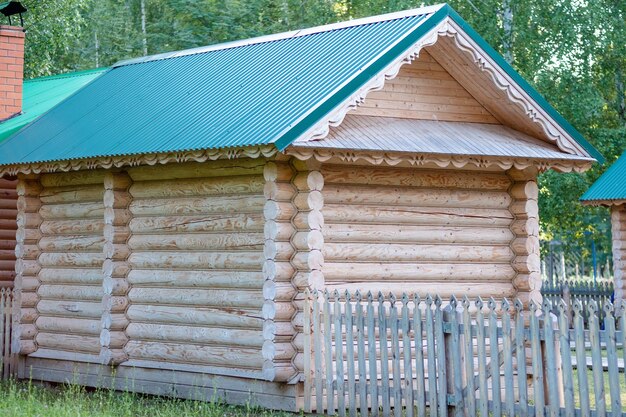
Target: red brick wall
11 70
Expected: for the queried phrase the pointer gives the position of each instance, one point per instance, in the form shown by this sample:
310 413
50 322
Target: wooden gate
417 357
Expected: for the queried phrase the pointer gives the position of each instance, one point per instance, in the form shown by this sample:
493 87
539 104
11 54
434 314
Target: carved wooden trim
438 161
136 160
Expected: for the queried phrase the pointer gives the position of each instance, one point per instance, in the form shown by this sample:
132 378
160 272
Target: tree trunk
143 28
507 25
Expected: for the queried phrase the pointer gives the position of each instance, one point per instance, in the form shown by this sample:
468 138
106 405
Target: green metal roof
611 186
262 91
41 94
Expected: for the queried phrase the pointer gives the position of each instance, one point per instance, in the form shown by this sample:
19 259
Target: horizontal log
70 276
277 171
192 334
72 193
308 260
387 252
196 279
30 284
78 260
525 245
28 204
198 316
70 308
218 168
28 315
64 325
525 227
525 208
406 215
27 347
277 271
197 260
238 358
27 331
411 177
274 210
313 239
23 251
198 241
444 289
25 267
70 292
278 251
7 255
280 231
243 184
239 222
8 203
71 243
113 339
7 276
29 299
364 233
279 191
9 214
309 181
73 210
314 220
367 271
75 178
7 265
196 297
309 200
72 227
7 235
8 244
525 190
197 205
8 224
426 197
528 281
526 264
68 342
278 311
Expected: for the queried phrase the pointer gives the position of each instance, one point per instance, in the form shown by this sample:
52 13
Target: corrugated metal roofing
41 94
611 186
256 92
436 137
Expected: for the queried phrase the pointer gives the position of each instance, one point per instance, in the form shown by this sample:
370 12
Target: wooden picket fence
7 360
584 291
416 357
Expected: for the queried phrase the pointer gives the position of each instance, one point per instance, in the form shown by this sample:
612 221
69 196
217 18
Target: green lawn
592 400
23 399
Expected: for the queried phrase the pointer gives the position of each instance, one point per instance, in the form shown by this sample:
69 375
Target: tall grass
25 399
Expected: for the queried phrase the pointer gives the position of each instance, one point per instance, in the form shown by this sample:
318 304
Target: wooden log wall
618 224
425 90
70 259
8 227
196 254
308 241
417 230
524 207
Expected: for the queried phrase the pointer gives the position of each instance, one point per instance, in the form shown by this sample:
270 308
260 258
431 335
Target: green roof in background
41 94
611 186
262 91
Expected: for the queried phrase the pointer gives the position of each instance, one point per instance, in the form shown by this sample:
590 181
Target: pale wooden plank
520 354
566 359
483 399
352 404
318 343
431 357
339 376
581 357
611 355
453 353
395 357
596 358
494 360
4 294
406 351
442 374
469 393
371 348
419 358
507 351
361 355
550 360
307 351
537 361
328 350
384 355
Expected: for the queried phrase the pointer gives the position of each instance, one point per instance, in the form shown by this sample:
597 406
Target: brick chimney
11 70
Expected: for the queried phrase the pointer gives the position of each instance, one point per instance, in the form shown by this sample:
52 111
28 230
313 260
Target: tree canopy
572 51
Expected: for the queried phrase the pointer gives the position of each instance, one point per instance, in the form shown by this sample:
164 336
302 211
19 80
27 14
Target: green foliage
573 52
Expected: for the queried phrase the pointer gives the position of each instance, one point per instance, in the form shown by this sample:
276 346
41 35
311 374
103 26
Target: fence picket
360 335
581 360
317 344
328 350
4 295
520 354
395 357
420 379
406 350
611 356
550 361
307 349
483 398
442 377
469 393
507 351
566 360
537 361
384 354
494 360
350 356
622 315
371 345
341 398
454 358
430 358
596 358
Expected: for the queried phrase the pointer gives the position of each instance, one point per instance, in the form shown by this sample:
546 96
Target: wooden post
618 229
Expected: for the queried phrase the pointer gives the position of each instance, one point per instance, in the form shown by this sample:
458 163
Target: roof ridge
66 75
284 35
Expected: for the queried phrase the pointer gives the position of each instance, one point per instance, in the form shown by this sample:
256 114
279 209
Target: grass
592 399
25 399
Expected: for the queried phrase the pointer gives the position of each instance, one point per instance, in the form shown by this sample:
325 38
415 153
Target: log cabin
610 191
173 212
21 103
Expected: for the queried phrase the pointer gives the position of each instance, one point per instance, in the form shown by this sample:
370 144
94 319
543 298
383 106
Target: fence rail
7 360
416 357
